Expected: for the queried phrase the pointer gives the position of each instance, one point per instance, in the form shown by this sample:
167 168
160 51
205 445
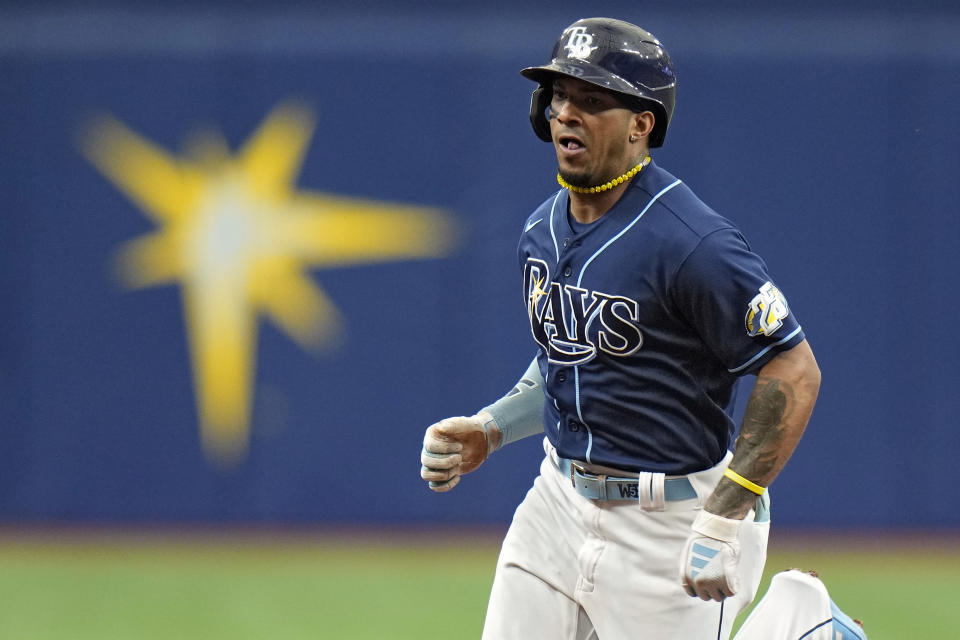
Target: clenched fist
455 446
710 564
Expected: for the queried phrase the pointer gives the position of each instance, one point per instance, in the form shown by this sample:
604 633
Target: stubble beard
587 179
580 179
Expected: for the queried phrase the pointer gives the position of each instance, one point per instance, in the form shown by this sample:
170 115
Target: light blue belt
601 487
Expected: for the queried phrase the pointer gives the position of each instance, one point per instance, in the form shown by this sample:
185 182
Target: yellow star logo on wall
238 238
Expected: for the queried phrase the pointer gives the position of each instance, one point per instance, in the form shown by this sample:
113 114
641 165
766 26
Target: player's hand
710 568
453 447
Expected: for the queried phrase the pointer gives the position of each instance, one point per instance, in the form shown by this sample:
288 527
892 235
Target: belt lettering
629 491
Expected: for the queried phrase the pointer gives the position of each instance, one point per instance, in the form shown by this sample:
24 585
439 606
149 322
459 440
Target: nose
567 113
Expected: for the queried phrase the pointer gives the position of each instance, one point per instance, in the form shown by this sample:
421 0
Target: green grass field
355 587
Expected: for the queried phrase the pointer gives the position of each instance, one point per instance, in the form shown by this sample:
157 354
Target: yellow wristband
743 482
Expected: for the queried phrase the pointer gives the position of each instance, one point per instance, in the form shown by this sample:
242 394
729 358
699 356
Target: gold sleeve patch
766 312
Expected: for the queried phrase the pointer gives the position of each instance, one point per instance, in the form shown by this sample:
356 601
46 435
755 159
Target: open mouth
570 143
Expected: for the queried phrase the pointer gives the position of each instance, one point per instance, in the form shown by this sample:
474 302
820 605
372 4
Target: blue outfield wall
830 136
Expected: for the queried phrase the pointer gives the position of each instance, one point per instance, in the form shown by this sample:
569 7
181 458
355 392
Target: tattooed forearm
758 448
764 427
774 420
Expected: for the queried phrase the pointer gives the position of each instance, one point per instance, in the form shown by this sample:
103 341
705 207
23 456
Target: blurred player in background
798 607
647 307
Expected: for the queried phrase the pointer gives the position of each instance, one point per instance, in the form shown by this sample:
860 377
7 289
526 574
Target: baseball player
797 606
646 307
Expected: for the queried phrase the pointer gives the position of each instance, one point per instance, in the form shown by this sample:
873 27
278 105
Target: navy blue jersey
645 320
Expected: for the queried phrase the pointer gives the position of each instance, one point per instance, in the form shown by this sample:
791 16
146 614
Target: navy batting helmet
617 56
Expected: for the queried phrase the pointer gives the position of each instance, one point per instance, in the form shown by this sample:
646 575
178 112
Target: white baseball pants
577 569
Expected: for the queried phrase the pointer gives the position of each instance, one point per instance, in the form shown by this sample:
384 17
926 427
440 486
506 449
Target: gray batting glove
455 446
710 568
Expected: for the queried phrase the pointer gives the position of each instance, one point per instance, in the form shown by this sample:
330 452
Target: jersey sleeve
723 289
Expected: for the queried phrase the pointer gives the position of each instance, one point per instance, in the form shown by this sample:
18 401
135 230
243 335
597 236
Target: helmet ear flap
539 103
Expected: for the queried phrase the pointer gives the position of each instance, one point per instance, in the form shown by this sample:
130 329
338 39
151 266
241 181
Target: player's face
591 130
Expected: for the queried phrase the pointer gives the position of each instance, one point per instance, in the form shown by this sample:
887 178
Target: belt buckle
576 468
600 480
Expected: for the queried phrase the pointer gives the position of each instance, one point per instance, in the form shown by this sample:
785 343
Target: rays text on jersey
571 323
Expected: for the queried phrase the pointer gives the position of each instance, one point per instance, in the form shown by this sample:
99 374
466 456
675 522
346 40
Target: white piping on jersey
553 233
576 387
576 369
625 229
763 351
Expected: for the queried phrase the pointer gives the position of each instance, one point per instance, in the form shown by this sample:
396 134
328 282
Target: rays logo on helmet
579 43
766 312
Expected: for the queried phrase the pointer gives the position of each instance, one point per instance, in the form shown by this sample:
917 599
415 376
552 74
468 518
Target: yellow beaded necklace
604 187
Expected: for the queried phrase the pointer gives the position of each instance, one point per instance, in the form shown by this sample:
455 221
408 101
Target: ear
641 126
